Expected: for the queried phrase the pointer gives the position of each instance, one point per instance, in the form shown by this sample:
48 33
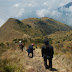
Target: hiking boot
46 67
50 69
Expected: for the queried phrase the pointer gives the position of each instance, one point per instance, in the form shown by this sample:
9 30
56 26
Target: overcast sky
22 9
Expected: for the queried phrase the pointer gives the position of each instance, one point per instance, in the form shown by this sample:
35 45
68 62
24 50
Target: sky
23 9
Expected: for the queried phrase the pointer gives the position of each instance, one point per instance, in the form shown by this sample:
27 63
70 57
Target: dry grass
32 27
18 61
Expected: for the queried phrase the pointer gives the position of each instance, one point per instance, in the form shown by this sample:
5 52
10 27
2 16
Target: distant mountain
46 25
29 28
71 27
65 6
68 5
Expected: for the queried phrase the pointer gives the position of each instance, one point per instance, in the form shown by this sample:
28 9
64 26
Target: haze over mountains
14 28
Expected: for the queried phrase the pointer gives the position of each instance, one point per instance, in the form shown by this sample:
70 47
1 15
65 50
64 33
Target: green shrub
38 41
8 69
2 44
50 40
64 39
5 67
15 40
31 40
57 42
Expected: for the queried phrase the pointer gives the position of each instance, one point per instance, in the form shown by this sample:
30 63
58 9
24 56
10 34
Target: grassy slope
11 30
32 27
16 61
62 42
46 25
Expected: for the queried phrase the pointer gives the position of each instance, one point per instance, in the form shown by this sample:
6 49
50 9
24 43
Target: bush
15 40
8 69
57 42
38 41
5 67
64 39
31 40
50 40
24 41
2 44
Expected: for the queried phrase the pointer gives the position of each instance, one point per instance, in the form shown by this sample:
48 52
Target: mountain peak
68 5
14 20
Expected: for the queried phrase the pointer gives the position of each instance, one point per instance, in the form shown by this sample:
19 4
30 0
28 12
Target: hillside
46 25
62 42
11 30
30 28
13 60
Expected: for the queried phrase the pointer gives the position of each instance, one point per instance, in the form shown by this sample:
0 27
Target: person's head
32 44
46 41
20 41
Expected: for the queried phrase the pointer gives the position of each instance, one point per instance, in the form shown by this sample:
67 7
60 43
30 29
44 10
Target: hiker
21 45
30 49
47 54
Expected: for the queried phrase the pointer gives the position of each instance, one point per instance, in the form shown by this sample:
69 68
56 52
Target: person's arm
52 50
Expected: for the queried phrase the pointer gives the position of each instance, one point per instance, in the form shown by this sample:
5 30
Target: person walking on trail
47 54
30 49
21 45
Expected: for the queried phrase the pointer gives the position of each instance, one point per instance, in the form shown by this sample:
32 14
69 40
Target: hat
32 44
20 41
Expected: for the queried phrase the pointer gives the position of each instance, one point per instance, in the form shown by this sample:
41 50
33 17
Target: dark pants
21 48
50 62
29 53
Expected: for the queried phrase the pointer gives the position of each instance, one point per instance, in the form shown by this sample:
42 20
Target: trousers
50 62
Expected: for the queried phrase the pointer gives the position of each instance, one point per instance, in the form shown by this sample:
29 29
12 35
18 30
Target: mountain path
35 64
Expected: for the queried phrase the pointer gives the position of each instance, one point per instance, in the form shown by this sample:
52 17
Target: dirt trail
34 64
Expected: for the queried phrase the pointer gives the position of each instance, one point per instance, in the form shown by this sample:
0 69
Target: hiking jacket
30 49
21 45
47 50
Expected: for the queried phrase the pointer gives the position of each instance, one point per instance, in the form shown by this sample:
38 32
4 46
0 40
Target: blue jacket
30 49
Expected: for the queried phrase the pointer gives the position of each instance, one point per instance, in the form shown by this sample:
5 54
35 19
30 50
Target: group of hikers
46 50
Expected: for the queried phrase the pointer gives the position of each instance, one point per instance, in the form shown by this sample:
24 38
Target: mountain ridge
31 27
68 5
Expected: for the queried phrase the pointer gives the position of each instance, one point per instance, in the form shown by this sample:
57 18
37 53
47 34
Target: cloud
31 5
22 9
45 3
70 8
56 14
42 13
16 5
20 13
